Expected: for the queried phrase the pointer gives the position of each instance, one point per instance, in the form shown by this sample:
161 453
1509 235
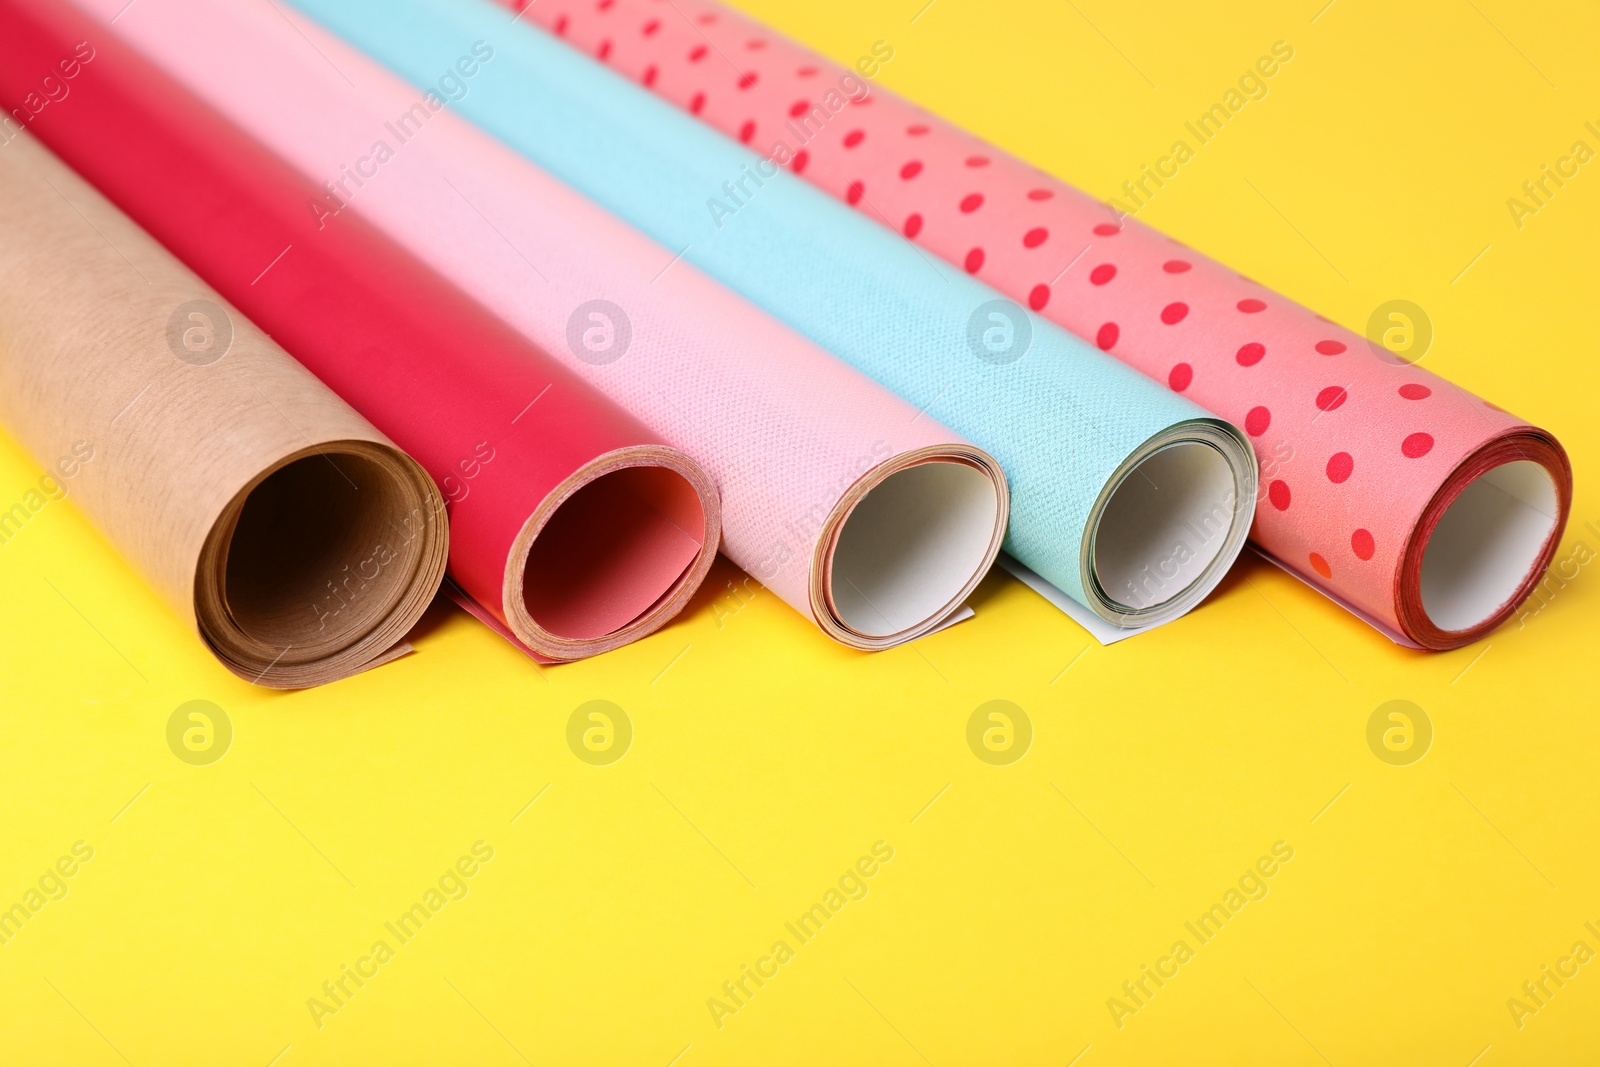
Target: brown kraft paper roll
299 542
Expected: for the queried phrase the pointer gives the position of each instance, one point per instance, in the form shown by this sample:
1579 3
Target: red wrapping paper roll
574 529
1424 509
847 502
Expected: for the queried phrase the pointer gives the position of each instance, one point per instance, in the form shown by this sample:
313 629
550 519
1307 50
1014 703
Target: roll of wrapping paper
240 487
857 509
573 528
1422 507
1127 499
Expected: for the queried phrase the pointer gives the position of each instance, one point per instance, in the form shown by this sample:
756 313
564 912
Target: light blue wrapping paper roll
1124 496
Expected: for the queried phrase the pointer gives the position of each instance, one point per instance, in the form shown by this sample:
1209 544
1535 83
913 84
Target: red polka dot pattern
1417 445
1304 389
1332 397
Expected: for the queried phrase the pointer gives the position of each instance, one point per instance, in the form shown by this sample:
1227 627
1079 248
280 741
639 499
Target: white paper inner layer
1485 544
1164 525
911 545
1102 631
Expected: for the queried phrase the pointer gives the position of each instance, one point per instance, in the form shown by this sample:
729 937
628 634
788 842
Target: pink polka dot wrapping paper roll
1428 511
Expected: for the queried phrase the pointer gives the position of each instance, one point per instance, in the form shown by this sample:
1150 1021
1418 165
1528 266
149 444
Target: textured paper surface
1064 419
1354 444
574 528
166 447
795 438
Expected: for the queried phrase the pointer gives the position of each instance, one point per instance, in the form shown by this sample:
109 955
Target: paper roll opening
320 564
613 553
1169 526
908 544
1484 540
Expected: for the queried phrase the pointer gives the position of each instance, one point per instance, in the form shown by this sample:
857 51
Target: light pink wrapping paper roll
1364 459
793 436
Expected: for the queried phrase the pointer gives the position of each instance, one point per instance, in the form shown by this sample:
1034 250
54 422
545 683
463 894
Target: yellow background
765 761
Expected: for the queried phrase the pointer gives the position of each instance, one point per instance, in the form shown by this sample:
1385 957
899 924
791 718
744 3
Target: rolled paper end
1169 523
319 566
907 544
1484 540
613 553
